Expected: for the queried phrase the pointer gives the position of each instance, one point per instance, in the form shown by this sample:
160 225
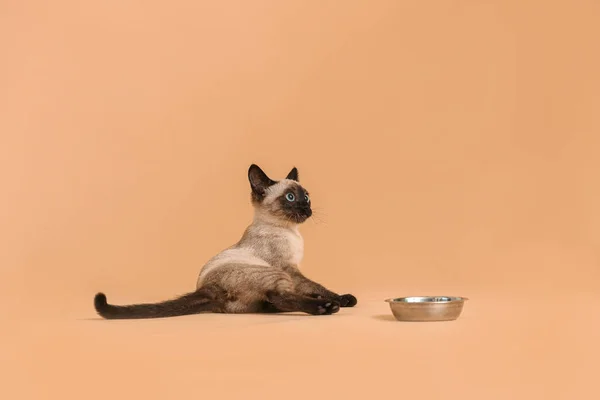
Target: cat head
285 201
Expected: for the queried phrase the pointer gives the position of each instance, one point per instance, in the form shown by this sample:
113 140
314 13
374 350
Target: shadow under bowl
427 308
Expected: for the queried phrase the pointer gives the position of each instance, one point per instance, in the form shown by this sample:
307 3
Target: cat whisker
316 217
319 211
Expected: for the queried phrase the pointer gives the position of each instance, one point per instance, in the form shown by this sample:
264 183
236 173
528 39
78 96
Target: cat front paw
326 307
347 300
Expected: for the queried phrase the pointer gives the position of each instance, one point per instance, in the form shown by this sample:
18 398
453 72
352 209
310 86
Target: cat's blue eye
306 198
290 197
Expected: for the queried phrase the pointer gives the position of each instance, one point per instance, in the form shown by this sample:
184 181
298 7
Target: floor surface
526 347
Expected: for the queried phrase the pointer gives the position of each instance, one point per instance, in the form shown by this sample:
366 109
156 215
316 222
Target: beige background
451 147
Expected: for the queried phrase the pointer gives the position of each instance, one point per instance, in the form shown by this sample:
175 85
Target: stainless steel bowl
427 308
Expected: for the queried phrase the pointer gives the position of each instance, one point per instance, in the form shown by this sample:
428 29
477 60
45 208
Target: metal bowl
427 308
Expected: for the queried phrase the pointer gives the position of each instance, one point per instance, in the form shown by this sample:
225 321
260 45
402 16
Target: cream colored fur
287 244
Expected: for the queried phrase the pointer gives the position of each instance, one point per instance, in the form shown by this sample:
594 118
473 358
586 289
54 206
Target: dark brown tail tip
100 301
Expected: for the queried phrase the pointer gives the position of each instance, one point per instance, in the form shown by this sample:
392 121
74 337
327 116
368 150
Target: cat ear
293 175
259 181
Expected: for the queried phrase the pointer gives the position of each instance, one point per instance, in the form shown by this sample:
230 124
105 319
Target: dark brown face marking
294 204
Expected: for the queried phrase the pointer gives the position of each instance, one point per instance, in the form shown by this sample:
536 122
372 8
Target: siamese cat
258 274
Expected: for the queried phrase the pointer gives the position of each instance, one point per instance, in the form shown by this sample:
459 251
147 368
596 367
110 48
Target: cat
258 274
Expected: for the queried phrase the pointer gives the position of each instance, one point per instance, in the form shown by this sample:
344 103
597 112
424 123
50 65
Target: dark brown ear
259 181
293 175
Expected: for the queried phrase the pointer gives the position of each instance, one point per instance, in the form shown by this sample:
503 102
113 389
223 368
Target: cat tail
192 303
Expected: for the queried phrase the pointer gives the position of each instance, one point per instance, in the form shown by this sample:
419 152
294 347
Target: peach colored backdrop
451 147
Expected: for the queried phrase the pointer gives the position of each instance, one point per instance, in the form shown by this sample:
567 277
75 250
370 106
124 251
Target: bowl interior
426 299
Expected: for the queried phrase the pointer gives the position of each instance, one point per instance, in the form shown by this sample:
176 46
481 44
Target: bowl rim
434 300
